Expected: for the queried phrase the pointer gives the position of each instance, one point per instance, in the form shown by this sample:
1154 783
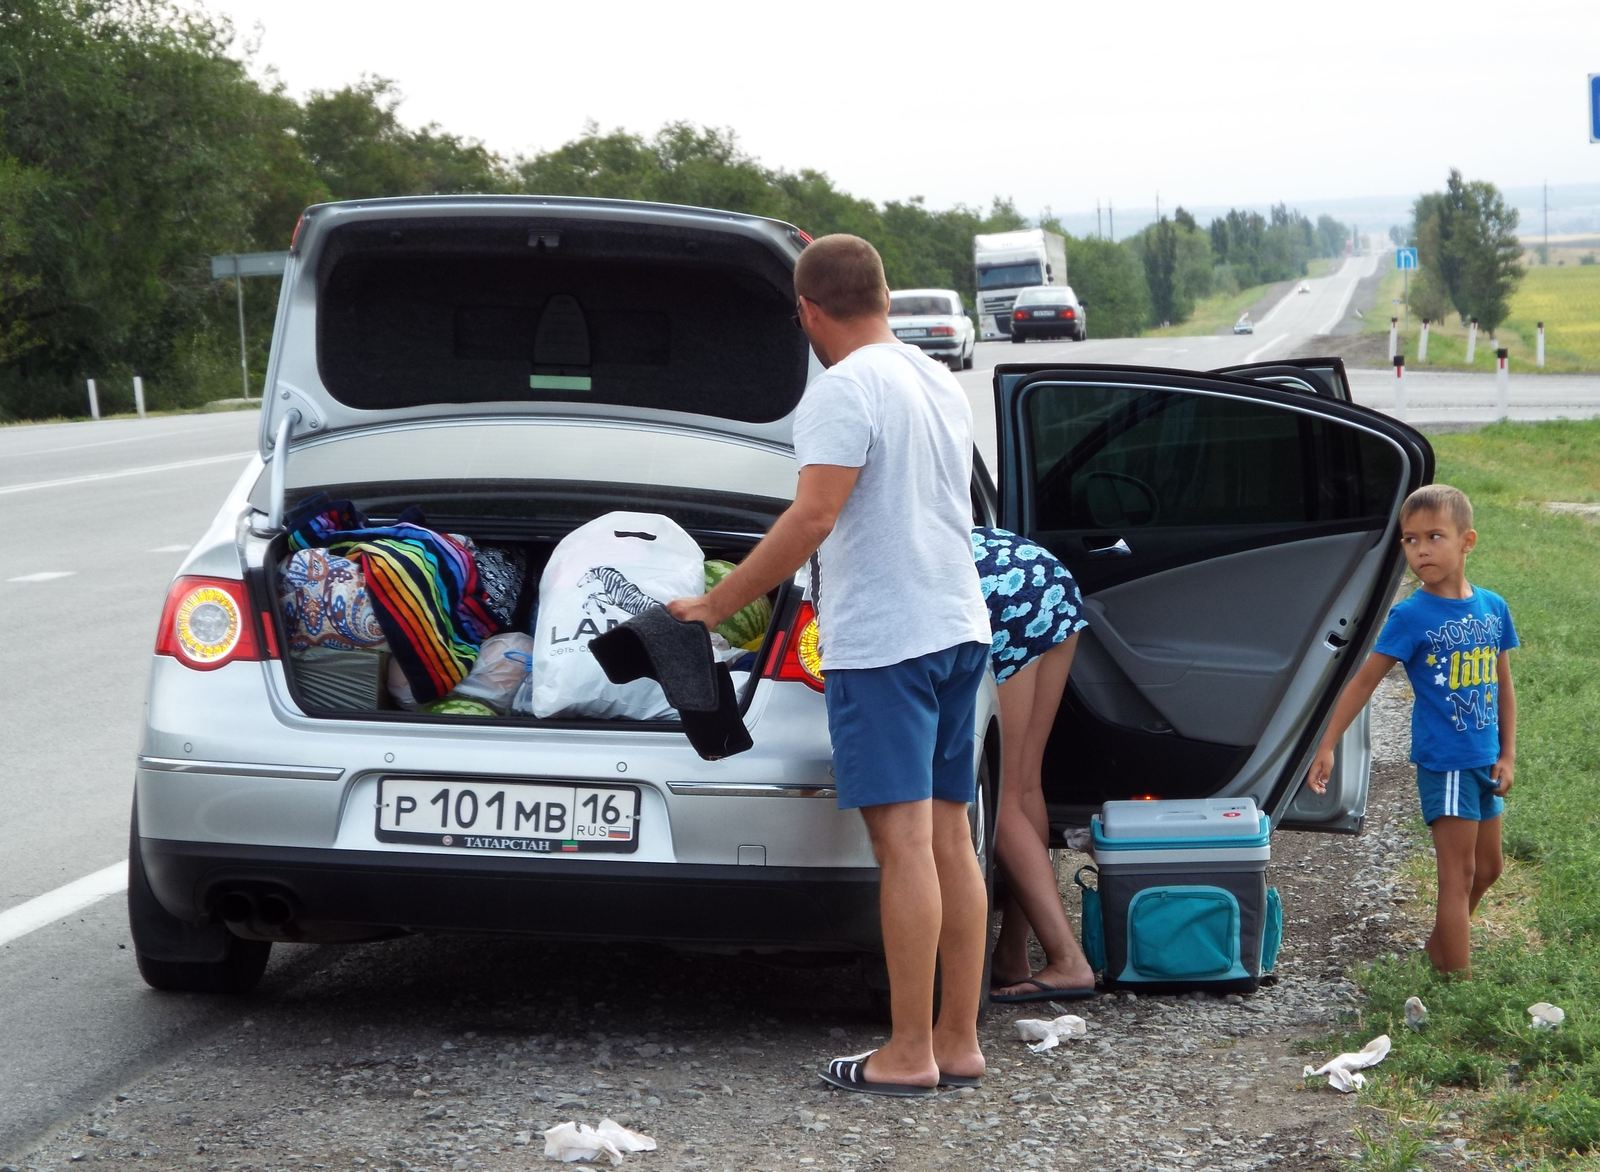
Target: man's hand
1501 773
1321 768
695 610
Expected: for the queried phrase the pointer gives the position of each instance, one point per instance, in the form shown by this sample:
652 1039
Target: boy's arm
1355 695
1505 769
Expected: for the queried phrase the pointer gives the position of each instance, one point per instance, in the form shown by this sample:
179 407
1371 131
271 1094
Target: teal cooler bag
1182 898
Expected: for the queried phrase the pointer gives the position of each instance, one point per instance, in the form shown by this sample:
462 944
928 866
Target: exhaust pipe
236 907
275 909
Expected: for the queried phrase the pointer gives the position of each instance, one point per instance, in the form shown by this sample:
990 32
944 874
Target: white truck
1004 263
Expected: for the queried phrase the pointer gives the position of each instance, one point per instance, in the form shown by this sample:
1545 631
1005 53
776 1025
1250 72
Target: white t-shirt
895 579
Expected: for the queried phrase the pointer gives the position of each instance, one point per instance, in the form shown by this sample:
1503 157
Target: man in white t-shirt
884 444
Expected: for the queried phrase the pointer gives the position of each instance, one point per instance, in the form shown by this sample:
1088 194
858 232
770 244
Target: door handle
1118 548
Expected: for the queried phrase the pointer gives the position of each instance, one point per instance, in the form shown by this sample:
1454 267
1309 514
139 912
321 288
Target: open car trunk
326 631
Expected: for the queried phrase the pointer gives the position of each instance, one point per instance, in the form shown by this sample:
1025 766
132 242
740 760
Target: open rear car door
1236 544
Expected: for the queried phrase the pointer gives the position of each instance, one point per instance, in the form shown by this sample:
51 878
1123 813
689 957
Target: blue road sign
1405 258
1594 107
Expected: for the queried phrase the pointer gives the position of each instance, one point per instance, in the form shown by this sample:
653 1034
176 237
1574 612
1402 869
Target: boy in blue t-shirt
1453 638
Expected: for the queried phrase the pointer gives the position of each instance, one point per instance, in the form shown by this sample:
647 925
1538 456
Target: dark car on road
1048 311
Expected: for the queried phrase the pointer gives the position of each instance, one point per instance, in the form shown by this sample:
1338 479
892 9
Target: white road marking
170 549
1263 348
44 576
63 901
127 439
148 468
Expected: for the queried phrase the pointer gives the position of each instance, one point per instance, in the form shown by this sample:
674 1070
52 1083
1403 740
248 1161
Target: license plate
1044 313
911 333
546 817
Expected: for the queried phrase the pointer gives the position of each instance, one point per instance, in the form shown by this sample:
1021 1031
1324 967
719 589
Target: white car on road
935 322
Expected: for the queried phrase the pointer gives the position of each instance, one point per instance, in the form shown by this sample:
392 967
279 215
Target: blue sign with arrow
1405 258
1594 107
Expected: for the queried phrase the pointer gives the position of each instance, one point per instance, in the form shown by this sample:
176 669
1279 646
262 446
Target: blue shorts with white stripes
1458 793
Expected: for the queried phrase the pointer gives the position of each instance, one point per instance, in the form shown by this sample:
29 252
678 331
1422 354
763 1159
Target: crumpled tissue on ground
1342 1071
1546 1016
1048 1034
1416 1013
569 1142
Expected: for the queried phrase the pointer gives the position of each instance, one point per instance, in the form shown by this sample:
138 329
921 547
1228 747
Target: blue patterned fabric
1033 599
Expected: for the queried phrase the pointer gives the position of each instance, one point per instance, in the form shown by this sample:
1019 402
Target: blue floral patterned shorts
1034 602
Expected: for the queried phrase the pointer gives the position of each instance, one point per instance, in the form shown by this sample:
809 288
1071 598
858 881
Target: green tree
1466 239
1111 283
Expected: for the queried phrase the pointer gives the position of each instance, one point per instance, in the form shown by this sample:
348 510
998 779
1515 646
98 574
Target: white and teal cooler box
1182 900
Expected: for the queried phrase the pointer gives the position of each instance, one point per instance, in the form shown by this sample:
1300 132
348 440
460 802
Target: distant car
1048 311
934 321
1305 287
1244 325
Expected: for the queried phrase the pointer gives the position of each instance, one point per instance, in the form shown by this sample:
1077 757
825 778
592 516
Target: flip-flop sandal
960 1080
1044 992
850 1074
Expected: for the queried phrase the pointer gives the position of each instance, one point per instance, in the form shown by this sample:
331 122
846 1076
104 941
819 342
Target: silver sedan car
506 369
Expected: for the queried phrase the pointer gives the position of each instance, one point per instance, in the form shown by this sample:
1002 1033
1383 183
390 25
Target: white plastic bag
504 662
601 575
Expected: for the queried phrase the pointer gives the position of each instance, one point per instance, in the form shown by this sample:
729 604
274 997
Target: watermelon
449 707
747 627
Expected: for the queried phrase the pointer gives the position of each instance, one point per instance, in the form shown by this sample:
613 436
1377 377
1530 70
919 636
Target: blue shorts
1459 793
904 733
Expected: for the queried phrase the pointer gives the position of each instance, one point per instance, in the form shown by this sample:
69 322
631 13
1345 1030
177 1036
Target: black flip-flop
1044 992
850 1074
955 1081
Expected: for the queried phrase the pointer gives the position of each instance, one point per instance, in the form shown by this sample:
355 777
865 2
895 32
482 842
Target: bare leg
909 907
1011 962
963 936
1023 830
1487 861
1455 843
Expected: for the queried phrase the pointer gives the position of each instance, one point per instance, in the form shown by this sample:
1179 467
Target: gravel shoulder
455 1054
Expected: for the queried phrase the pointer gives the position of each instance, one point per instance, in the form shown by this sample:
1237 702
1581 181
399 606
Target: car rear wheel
1016 337
971 355
178 957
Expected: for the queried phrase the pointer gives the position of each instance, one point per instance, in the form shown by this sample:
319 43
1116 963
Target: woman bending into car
1035 614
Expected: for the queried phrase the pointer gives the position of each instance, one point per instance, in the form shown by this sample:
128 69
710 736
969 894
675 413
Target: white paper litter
1546 1016
570 1142
1342 1071
1416 1013
1048 1034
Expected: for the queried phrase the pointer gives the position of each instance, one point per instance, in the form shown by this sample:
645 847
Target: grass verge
1565 297
1212 315
1531 1097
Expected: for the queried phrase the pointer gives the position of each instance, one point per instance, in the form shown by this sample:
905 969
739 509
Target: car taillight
1067 313
942 331
1019 315
294 237
796 656
207 623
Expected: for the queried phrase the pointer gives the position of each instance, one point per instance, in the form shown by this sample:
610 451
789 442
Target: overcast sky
1053 104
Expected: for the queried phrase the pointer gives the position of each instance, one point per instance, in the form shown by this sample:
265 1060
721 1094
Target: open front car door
1236 544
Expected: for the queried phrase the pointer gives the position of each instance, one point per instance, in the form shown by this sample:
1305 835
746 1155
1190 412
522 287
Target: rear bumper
310 894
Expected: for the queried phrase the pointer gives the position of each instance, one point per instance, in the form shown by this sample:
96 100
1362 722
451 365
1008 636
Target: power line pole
1111 219
1545 257
1098 235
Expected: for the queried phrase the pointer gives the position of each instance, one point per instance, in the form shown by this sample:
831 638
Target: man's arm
1356 693
1504 770
818 499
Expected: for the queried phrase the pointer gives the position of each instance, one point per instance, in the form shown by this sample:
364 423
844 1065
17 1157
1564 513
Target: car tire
1083 334
972 356
1016 337
178 957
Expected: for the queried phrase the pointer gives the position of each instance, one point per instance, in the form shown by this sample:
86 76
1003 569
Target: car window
1041 297
919 305
1105 460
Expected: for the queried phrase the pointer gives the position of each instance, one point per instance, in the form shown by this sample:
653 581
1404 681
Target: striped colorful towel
423 585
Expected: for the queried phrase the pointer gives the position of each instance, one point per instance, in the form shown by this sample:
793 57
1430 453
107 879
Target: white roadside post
1472 339
1539 353
94 401
1503 378
1422 347
138 395
1394 330
1399 386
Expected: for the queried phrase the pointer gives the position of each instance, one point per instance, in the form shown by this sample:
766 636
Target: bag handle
1077 877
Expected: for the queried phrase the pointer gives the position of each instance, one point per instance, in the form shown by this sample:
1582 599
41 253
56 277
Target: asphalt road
95 518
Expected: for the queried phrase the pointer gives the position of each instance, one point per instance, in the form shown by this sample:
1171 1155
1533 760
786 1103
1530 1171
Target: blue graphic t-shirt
1450 648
